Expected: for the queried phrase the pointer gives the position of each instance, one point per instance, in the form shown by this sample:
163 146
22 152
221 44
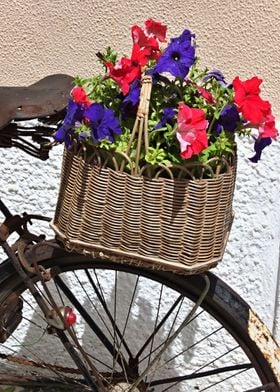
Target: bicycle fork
59 324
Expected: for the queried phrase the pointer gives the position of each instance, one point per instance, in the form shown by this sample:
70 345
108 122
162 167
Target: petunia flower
73 118
228 119
206 94
259 145
247 98
268 129
131 100
102 122
80 96
216 74
149 38
178 56
167 118
124 73
139 56
191 132
140 38
156 29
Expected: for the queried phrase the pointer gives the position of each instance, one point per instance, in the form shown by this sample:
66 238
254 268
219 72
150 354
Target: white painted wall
251 262
240 37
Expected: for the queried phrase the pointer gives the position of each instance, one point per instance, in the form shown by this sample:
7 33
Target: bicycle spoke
36 356
158 327
92 324
224 379
100 295
162 344
138 333
194 376
194 344
92 303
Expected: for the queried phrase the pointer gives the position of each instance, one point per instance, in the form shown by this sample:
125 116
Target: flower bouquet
149 164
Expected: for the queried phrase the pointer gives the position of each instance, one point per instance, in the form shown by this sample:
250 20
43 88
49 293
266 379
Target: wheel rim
139 305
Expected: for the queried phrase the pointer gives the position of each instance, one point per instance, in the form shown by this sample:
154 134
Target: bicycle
137 329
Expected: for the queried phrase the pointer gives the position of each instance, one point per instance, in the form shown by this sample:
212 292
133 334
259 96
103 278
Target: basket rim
95 160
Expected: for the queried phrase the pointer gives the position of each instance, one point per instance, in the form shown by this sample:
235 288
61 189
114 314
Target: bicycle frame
54 316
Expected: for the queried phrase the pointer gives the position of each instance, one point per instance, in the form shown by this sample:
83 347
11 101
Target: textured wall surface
38 37
240 37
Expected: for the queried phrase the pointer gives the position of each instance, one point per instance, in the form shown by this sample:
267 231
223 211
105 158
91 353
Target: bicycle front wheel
125 316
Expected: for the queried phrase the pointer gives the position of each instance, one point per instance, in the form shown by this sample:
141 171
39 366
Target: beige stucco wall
47 36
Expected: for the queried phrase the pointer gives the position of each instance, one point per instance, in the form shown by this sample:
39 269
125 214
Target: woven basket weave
163 218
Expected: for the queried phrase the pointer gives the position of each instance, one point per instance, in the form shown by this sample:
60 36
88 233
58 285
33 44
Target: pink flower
248 101
79 96
191 132
268 129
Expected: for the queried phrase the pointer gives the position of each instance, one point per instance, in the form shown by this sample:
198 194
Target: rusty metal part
39 381
34 140
11 224
42 273
261 335
43 365
4 232
10 316
43 98
268 387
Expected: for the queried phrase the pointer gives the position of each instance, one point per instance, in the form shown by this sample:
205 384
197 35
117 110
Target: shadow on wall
134 306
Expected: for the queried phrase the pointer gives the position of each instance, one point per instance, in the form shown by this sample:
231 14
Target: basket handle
140 128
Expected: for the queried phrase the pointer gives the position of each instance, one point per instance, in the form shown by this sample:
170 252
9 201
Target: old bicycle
136 329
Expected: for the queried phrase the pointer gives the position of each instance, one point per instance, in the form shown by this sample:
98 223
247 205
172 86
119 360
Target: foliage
194 113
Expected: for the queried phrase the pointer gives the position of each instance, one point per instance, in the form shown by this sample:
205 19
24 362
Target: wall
239 37
46 36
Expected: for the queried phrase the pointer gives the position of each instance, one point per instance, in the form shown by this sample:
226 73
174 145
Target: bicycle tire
222 306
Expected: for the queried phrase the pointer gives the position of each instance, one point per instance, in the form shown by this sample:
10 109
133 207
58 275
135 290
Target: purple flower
131 100
228 120
216 74
167 117
83 136
74 117
260 144
178 56
102 122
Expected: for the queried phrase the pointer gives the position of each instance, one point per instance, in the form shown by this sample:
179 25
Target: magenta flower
191 132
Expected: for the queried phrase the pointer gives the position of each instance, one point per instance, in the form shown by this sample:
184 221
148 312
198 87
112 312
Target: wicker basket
170 218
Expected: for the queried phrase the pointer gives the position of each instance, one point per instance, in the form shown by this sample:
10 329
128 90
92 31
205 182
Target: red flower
268 129
124 73
206 94
252 107
157 29
139 37
191 133
127 70
80 96
154 33
139 56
